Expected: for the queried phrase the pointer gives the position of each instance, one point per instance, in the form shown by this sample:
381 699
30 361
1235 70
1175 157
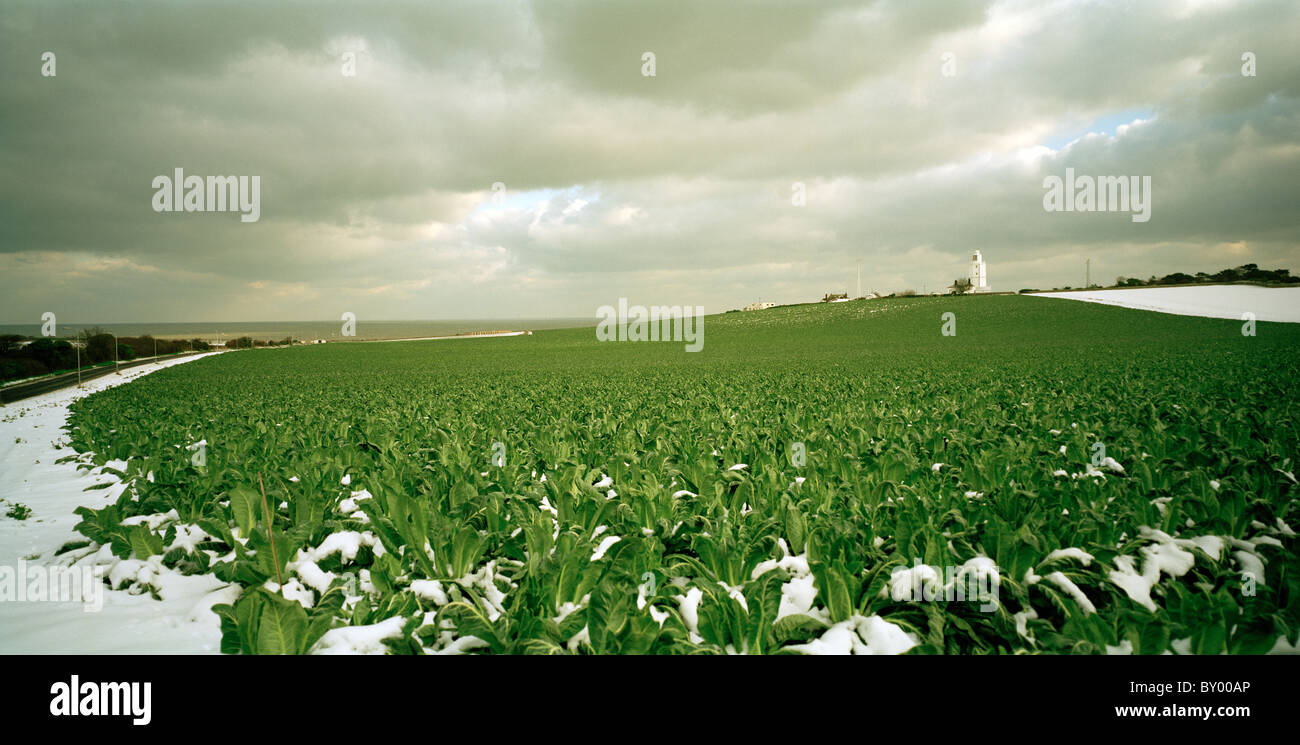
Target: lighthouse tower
979 276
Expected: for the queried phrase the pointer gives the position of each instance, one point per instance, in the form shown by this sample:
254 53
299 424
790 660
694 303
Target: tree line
1246 273
1243 273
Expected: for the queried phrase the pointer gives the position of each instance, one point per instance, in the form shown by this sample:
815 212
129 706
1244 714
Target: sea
307 330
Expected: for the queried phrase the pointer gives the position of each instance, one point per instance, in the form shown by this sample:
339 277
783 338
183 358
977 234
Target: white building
979 274
759 306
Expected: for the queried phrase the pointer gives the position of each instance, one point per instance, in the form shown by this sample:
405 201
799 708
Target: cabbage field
818 478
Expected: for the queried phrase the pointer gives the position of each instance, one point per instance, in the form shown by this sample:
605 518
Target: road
18 392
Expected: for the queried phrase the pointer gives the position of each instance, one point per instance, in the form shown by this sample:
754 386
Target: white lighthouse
979 274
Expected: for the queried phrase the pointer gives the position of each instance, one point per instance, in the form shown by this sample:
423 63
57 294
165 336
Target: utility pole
859 279
116 367
78 348
1087 273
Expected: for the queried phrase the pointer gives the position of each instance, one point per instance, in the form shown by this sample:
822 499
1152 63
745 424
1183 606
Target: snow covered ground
459 336
104 620
1211 301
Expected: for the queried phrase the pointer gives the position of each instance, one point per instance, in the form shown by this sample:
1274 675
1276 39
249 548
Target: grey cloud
373 187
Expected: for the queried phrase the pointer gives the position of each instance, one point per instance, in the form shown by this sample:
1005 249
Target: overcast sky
376 188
